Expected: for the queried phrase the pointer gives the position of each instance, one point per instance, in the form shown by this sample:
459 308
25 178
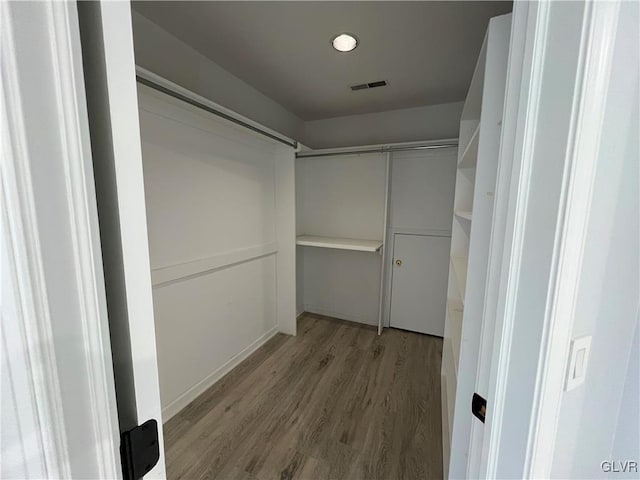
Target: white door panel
419 284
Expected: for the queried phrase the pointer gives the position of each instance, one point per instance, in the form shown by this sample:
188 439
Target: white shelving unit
339 243
470 237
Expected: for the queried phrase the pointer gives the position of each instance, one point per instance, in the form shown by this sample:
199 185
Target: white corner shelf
459 265
359 245
470 153
466 215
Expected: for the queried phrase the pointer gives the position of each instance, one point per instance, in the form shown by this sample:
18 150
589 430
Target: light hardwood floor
336 402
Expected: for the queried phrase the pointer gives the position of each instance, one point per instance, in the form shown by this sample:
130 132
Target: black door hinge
479 407
139 450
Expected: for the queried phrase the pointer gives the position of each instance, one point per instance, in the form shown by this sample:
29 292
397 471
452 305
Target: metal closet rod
389 149
290 143
226 116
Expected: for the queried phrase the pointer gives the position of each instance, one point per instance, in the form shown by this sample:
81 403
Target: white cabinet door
419 283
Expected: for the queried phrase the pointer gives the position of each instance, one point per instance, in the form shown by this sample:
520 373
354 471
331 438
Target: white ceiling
426 51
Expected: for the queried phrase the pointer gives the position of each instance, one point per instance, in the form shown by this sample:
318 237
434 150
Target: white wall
626 443
341 196
163 54
598 418
431 122
220 203
344 196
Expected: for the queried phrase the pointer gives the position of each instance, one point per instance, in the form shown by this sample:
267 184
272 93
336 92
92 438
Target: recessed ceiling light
345 42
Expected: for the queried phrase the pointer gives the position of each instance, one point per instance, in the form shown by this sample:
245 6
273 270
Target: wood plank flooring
336 402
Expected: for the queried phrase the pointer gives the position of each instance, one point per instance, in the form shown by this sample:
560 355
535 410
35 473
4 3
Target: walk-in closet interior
319 228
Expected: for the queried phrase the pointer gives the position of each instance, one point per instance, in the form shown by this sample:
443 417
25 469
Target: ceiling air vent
364 86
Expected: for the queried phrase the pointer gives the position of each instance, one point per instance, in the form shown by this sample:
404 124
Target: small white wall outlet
578 357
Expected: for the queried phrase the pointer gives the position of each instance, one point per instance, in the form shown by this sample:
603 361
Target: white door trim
109 72
519 130
523 75
32 329
579 163
592 81
84 228
65 84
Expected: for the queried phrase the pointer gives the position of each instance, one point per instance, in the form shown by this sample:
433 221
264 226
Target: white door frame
527 452
111 90
54 326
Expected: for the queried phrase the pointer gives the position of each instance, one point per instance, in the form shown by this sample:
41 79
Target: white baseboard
330 312
190 395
